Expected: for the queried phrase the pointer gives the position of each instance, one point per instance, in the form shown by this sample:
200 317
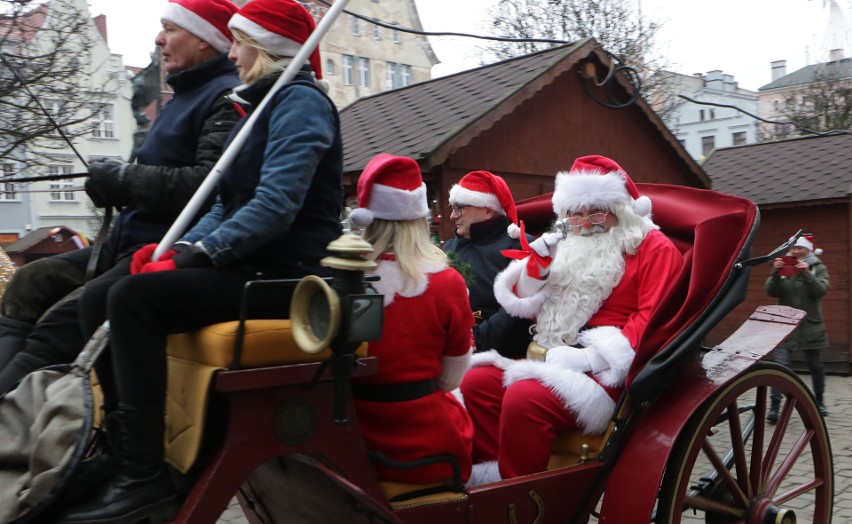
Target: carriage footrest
403 496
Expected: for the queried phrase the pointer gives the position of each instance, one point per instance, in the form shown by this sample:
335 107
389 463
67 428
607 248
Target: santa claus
590 287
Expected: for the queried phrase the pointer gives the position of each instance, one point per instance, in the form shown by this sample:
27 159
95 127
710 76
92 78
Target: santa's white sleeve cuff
521 303
610 344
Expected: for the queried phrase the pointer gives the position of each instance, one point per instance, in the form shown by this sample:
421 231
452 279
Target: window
348 70
739 138
394 36
405 75
377 32
104 125
54 108
397 75
782 130
60 189
708 143
329 67
363 72
7 189
701 115
355 24
390 75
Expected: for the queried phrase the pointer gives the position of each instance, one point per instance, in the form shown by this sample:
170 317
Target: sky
738 37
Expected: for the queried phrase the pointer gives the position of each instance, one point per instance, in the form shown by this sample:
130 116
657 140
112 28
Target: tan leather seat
194 358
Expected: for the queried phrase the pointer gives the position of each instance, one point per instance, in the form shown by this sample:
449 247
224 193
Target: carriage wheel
730 466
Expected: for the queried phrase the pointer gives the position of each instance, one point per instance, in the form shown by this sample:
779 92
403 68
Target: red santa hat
280 26
485 189
596 182
807 241
390 188
206 19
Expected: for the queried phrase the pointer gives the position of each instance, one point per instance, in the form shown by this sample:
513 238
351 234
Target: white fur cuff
505 293
613 346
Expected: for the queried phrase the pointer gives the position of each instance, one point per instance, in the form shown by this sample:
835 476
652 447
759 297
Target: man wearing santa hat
591 291
802 290
483 211
180 150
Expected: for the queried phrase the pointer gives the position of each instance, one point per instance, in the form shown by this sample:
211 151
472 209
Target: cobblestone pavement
838 400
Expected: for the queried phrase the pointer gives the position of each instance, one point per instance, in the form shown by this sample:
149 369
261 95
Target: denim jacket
280 200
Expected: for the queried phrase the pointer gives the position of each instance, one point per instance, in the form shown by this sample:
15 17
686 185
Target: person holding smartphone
800 280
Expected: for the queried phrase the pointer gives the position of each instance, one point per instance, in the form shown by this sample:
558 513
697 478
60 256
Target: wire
446 33
831 132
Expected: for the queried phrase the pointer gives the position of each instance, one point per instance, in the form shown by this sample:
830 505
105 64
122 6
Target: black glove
106 185
190 255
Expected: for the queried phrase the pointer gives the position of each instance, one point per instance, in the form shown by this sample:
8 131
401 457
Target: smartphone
789 269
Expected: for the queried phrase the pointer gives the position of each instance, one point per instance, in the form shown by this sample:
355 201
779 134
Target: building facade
817 96
28 206
701 127
365 57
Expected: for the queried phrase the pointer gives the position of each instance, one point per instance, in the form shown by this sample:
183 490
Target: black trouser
56 337
144 309
784 356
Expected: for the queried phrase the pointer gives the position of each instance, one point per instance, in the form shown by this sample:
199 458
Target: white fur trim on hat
197 25
465 197
273 42
582 190
390 203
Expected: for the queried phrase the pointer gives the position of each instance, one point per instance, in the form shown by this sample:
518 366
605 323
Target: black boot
774 405
140 487
13 336
822 410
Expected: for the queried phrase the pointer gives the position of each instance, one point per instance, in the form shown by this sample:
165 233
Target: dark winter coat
280 200
181 148
498 330
803 292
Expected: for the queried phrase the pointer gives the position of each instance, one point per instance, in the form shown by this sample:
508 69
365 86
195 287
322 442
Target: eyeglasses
577 219
457 209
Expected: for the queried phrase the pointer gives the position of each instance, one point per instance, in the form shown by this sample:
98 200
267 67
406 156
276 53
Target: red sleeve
659 262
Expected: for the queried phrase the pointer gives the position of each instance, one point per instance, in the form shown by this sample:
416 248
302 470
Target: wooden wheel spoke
790 494
778 436
795 452
724 474
757 441
738 446
713 506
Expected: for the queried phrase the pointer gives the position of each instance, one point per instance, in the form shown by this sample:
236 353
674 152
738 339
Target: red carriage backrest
712 230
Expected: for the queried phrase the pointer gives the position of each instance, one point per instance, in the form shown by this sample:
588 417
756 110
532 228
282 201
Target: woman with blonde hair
406 411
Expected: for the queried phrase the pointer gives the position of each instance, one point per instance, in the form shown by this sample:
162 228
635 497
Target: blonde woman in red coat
406 411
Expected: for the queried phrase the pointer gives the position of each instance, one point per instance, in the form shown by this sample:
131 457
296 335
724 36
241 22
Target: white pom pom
361 217
818 251
642 206
513 231
324 85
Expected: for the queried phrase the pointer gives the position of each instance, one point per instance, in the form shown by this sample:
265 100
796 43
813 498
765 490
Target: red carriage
688 439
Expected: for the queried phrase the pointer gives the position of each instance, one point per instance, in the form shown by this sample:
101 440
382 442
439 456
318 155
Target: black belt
393 392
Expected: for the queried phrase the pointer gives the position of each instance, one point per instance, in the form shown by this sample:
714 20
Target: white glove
578 359
545 245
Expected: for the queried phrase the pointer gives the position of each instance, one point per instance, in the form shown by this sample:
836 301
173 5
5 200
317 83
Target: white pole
192 207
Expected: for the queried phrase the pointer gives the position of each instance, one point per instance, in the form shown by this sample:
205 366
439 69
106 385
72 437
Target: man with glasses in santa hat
483 211
591 290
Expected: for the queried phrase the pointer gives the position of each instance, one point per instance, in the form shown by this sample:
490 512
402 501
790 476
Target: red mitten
161 265
143 256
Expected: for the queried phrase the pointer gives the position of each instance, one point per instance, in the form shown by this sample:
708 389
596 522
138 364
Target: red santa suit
518 406
426 339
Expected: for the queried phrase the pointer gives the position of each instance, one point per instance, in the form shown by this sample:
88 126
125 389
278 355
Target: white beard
585 270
